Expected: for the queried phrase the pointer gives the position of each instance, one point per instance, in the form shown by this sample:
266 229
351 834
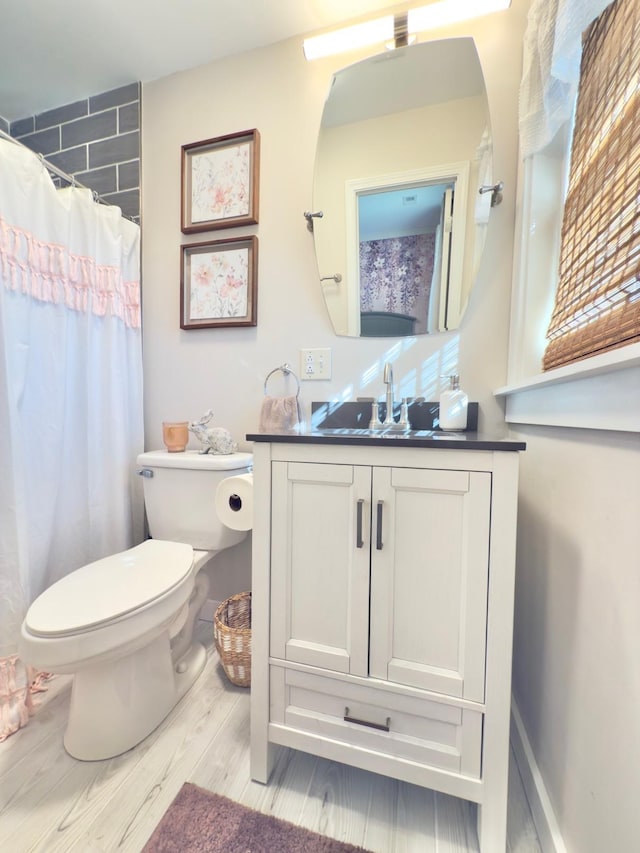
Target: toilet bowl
123 625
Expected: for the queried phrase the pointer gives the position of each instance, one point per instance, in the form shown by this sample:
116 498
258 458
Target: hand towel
280 414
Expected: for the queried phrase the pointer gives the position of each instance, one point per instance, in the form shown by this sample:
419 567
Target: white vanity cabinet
380 571
382 612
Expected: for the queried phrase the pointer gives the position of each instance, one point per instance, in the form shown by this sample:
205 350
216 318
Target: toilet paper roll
234 502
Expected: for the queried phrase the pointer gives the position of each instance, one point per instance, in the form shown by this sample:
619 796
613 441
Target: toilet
123 625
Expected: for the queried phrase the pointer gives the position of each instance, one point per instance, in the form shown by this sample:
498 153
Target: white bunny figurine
213 439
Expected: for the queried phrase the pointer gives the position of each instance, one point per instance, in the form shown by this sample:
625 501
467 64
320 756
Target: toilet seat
107 590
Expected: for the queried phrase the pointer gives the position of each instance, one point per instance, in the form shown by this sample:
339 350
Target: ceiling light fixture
401 35
399 30
451 12
349 38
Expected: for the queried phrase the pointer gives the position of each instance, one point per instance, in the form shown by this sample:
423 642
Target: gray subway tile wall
129 117
96 141
87 129
60 115
129 175
71 161
43 141
116 149
103 181
23 126
114 98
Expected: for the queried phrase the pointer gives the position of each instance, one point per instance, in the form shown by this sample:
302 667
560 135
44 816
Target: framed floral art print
219 283
220 182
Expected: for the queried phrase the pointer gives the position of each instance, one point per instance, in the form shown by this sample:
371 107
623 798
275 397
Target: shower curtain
395 276
70 395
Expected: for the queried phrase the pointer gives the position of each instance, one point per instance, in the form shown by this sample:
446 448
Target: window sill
602 392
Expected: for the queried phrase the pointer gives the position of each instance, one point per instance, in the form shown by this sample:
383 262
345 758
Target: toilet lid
194 459
102 591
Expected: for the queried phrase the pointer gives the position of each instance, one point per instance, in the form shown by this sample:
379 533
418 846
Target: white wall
576 675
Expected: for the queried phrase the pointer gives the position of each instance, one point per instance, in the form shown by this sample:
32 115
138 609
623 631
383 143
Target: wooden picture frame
219 283
220 182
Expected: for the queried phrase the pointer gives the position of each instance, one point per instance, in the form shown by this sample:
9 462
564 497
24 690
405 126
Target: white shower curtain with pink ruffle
70 395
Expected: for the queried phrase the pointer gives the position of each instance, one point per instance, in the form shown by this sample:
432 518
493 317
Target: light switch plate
315 363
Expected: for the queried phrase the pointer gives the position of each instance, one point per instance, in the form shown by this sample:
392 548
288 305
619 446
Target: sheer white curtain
70 393
551 67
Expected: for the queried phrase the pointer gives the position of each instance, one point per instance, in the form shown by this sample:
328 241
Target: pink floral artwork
219 284
220 183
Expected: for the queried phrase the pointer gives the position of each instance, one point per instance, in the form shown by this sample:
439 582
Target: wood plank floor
51 803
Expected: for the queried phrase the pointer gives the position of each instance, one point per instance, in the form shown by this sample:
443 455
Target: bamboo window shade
598 298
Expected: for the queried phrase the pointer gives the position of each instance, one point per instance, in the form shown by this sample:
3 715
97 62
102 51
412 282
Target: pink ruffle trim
16 694
51 273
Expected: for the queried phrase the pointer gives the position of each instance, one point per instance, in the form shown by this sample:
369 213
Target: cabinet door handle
359 539
379 526
383 727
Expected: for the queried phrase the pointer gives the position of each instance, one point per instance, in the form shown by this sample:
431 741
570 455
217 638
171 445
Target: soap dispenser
453 406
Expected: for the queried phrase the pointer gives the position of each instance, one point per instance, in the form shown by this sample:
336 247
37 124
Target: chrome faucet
388 423
375 422
387 378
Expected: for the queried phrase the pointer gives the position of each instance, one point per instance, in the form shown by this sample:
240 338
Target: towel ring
284 368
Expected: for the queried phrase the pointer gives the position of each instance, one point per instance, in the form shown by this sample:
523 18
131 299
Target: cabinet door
320 545
429 576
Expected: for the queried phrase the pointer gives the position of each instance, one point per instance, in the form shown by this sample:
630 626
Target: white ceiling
52 54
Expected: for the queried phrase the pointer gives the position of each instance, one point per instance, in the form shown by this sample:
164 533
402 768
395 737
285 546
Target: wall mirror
403 148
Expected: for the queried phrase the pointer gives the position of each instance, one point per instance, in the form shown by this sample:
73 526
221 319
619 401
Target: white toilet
124 625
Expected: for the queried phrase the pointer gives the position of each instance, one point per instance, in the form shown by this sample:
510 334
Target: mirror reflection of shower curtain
440 282
395 277
70 394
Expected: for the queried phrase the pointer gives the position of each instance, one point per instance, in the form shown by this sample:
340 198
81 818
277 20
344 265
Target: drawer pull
383 727
359 539
379 526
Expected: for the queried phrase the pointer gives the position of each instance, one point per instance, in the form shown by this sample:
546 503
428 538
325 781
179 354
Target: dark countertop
415 438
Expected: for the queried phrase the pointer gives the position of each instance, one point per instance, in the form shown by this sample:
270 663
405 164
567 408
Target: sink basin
366 433
354 432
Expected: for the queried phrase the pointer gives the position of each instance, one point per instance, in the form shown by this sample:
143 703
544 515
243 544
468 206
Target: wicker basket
232 633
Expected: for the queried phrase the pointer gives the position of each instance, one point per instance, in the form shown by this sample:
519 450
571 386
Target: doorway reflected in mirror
404 261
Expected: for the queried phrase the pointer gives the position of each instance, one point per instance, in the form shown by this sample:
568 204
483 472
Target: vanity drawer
406 727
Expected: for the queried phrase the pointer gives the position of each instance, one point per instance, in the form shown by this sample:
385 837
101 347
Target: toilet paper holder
234 501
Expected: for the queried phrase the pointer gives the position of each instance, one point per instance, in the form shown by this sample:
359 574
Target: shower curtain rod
60 174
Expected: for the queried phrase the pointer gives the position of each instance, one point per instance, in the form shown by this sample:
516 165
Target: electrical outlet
315 363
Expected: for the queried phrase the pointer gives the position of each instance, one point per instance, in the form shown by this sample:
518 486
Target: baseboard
209 609
541 809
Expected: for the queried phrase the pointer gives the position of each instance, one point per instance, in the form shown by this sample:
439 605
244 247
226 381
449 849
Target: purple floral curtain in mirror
396 274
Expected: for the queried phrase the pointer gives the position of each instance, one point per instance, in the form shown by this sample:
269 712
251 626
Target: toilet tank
179 496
